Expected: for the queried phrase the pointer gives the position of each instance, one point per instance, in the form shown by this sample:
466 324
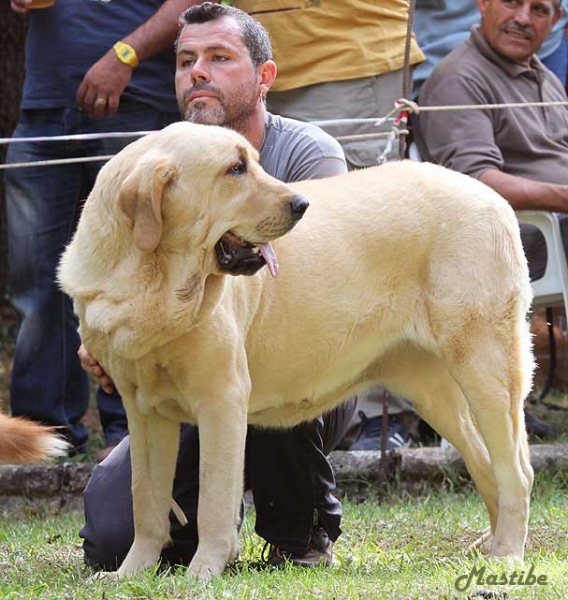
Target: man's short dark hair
254 35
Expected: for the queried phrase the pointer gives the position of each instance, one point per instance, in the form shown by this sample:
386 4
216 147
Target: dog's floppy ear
140 198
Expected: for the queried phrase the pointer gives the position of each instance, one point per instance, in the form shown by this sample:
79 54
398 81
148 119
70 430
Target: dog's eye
239 168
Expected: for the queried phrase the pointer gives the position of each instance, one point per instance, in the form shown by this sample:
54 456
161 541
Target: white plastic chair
552 288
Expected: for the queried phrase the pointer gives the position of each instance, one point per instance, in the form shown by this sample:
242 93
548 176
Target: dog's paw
483 544
491 549
507 554
205 565
202 571
103 576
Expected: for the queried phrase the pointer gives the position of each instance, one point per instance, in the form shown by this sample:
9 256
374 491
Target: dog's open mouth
239 257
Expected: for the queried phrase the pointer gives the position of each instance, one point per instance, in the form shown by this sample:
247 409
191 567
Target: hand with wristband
100 91
126 54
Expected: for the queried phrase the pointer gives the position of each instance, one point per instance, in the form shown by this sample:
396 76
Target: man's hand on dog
95 370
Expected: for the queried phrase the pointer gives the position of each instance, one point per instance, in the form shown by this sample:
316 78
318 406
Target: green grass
407 548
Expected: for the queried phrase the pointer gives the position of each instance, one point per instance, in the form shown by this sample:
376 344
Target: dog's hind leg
154 445
493 377
501 426
437 398
476 316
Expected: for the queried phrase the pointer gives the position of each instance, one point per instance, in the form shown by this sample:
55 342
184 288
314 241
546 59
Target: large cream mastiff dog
408 275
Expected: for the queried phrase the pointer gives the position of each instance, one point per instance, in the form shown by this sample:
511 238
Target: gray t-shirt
526 142
294 151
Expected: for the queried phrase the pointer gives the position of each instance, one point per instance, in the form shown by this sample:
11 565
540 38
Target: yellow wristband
126 54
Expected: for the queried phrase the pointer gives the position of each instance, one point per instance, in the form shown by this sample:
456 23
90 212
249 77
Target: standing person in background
554 51
440 26
91 67
353 69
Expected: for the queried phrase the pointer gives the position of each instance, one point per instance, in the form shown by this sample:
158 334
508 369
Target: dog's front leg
222 435
154 445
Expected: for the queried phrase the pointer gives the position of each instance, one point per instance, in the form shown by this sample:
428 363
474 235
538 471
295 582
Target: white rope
404 105
382 157
79 136
371 136
401 109
331 122
67 138
413 107
84 159
408 106
55 161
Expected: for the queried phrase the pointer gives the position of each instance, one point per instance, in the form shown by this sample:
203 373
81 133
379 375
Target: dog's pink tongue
270 258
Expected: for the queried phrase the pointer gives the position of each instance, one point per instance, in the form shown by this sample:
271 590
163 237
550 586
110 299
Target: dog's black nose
299 205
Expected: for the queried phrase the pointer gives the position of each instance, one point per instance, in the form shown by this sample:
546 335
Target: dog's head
165 214
203 186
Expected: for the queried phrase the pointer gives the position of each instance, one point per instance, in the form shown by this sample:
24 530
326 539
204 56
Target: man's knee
109 525
104 547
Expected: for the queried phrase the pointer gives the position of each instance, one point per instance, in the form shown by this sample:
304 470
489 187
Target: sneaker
371 432
319 553
537 428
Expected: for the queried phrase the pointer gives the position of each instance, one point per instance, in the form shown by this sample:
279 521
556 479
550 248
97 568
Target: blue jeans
43 206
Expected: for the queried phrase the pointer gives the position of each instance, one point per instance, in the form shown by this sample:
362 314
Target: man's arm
108 77
159 32
525 194
464 141
461 140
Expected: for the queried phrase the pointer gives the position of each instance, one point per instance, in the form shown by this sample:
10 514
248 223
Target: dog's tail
23 441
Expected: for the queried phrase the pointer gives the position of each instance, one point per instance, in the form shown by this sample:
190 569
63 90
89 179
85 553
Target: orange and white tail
23 441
